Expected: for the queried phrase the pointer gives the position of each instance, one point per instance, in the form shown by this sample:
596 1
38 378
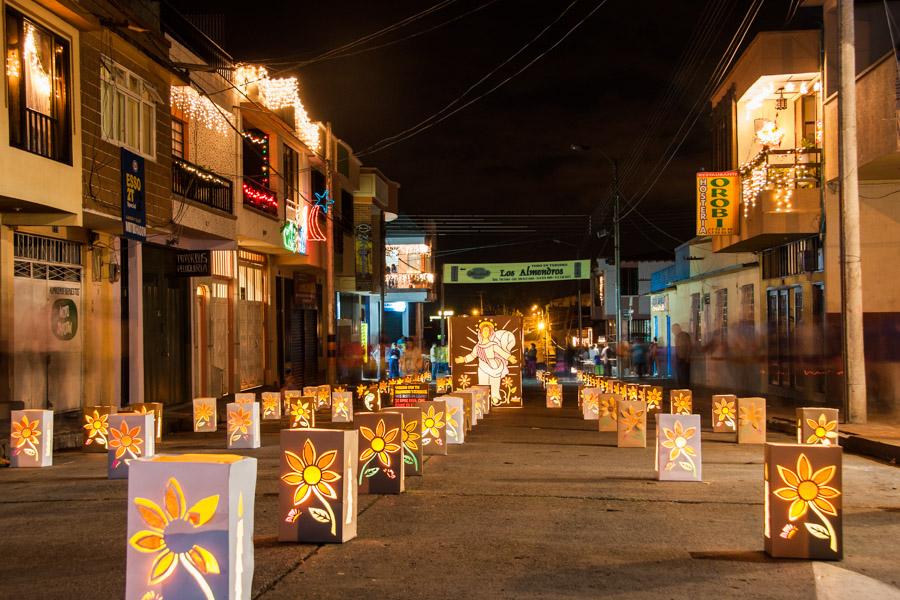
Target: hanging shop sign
134 212
718 201
517 272
295 233
193 263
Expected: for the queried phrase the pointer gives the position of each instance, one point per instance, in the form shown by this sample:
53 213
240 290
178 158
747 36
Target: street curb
855 444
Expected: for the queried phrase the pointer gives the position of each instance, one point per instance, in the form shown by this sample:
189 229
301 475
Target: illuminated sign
718 198
295 234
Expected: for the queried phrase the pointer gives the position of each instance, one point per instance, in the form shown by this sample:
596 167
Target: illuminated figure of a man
494 354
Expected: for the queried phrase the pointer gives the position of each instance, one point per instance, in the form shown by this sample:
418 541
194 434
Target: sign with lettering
517 272
409 394
718 202
134 212
193 263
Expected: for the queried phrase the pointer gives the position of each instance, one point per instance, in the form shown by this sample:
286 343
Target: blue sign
134 211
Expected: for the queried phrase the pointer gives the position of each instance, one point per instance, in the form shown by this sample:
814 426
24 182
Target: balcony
260 197
201 186
409 281
781 200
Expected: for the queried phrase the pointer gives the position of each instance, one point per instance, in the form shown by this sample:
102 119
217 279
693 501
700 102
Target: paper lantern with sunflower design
156 408
803 508
454 419
590 403
205 415
242 425
443 384
483 397
287 397
31 438
607 416
468 398
190 527
323 396
724 413
95 427
434 427
380 438
342 407
653 395
751 421
131 436
678 448
681 402
631 423
411 441
271 406
317 490
817 426
554 395
302 411
245 397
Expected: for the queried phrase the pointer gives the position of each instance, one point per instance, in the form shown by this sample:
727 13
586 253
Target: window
128 108
722 315
178 141
747 303
802 256
290 170
37 76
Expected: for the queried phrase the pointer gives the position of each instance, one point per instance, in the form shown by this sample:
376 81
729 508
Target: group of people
636 357
404 357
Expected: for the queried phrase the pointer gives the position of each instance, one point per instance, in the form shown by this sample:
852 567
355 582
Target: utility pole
330 295
618 255
851 258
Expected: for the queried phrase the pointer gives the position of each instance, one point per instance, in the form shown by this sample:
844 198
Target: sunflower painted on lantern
724 413
381 444
807 491
172 536
681 401
312 476
302 413
823 431
632 420
240 422
432 422
203 413
126 443
681 453
96 426
751 420
271 405
25 434
654 398
410 439
631 424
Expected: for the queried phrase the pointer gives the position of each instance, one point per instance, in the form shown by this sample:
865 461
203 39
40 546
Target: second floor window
37 76
178 142
128 108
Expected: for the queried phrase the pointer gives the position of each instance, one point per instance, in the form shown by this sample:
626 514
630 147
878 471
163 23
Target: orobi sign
517 272
718 201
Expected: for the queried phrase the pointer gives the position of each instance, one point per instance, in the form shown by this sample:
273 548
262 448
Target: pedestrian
435 355
623 360
606 355
652 352
639 357
394 361
683 348
531 361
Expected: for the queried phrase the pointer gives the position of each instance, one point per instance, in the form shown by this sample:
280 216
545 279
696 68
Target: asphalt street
536 504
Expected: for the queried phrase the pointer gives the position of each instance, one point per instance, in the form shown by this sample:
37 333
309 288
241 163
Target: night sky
509 152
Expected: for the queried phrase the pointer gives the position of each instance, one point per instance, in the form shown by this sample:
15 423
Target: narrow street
535 504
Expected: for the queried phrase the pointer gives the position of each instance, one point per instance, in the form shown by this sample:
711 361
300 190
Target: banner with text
718 202
517 272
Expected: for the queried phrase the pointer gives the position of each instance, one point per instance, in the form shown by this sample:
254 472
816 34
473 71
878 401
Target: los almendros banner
718 202
517 272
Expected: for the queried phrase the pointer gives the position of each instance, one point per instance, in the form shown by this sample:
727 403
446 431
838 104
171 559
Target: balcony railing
781 171
260 197
201 185
41 136
409 281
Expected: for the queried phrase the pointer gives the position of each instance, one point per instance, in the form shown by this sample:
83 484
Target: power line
489 91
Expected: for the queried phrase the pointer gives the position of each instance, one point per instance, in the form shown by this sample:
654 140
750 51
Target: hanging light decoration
276 94
198 108
780 101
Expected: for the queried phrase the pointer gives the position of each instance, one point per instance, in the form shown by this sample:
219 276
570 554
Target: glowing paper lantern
678 447
653 397
205 415
242 421
803 501
190 527
271 406
130 438
817 426
95 427
31 438
681 402
590 405
302 412
751 421
288 397
371 398
606 412
631 391
434 427
151 407
245 397
323 396
631 422
724 413
411 441
539 375
444 384
468 399
380 452
455 419
483 395
554 395
317 492
342 407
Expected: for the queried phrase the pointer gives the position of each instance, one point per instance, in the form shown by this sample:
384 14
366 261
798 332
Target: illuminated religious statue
494 351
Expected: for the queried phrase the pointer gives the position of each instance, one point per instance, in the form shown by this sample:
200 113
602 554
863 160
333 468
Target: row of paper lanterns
190 516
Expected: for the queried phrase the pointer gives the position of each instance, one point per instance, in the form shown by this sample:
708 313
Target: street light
475 312
616 239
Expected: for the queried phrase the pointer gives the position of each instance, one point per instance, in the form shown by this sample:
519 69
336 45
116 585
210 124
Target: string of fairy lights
758 176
